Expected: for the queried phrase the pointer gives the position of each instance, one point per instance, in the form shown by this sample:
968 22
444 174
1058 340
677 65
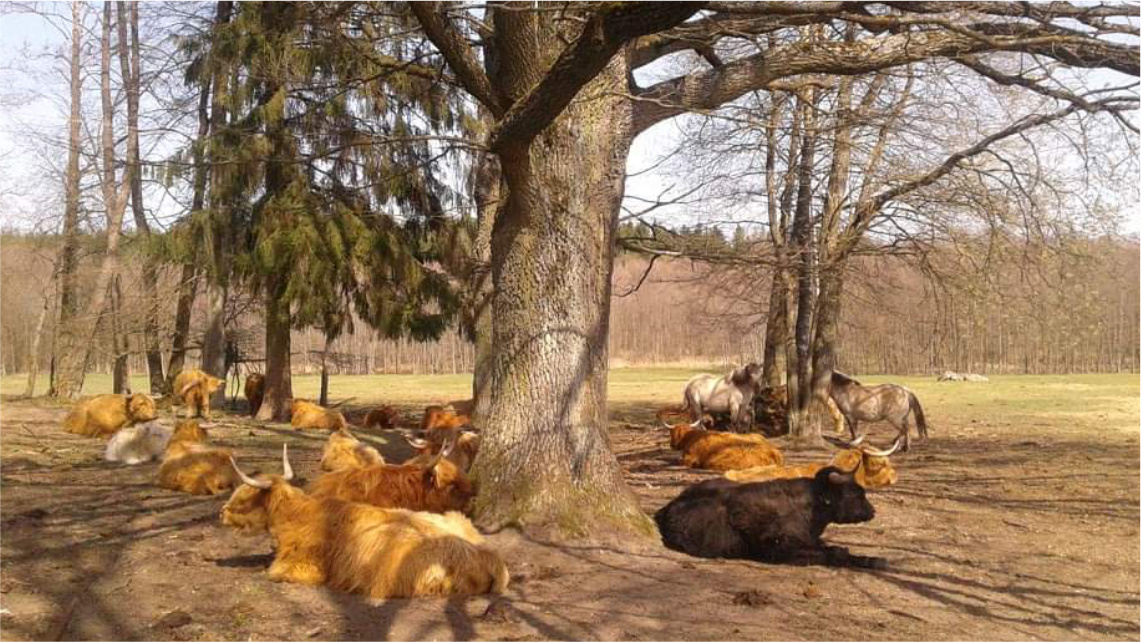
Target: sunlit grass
1080 402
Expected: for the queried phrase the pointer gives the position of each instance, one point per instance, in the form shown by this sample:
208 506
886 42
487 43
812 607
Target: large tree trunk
69 259
551 467
487 195
187 288
775 366
214 338
802 254
278 382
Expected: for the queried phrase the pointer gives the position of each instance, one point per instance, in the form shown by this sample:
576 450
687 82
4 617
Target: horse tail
920 420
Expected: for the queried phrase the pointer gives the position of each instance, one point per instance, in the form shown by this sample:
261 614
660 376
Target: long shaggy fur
306 415
191 466
439 489
344 451
722 451
871 471
194 388
138 444
104 415
443 418
354 547
255 391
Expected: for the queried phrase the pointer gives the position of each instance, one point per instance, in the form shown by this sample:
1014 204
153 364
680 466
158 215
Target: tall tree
69 259
77 347
563 127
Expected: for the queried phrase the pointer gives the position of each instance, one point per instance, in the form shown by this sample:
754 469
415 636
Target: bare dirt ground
993 532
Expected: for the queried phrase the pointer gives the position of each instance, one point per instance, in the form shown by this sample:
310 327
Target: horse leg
695 408
905 432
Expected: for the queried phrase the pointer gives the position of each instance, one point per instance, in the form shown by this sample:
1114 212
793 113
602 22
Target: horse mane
841 379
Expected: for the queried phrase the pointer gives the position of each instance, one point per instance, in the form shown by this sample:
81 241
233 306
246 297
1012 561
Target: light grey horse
731 393
885 402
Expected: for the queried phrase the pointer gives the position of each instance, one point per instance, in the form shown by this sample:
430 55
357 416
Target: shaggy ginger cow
306 415
722 451
462 455
343 451
194 388
190 466
448 417
437 486
255 391
105 414
353 547
870 465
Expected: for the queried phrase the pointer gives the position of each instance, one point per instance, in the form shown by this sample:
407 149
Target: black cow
773 521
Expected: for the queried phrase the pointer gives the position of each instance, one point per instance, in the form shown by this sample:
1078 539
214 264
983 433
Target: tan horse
885 402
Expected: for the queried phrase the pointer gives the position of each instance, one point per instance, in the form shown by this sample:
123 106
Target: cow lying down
774 521
358 548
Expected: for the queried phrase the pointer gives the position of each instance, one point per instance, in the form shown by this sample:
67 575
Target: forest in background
1070 312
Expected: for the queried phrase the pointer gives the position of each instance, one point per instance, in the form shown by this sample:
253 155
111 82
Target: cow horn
876 452
449 443
842 443
418 444
246 479
287 470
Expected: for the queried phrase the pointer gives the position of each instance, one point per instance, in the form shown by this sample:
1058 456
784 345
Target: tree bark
278 381
69 259
120 345
775 365
488 194
34 363
550 469
802 253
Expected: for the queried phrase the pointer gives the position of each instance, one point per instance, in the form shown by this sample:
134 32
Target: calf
722 451
354 547
776 521
193 388
255 391
104 415
870 466
138 444
437 486
343 451
306 415
191 466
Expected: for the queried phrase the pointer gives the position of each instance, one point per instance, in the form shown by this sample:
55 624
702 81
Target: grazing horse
732 394
885 402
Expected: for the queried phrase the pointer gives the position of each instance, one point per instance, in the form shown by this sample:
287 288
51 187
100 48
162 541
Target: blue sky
38 103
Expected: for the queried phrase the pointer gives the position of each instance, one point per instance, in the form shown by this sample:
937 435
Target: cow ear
841 478
740 375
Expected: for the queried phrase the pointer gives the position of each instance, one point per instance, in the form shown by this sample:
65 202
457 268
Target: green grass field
1067 401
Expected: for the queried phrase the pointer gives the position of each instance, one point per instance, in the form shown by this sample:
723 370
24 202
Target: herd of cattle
399 530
